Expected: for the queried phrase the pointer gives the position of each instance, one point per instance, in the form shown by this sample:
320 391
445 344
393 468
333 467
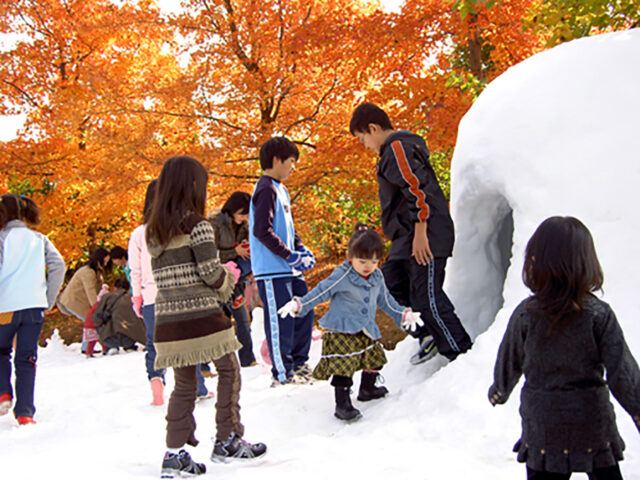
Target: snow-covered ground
556 134
95 421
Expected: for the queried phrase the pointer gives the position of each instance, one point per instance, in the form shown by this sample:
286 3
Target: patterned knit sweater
191 327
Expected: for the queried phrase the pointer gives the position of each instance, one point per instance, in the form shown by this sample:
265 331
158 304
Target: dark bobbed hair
18 207
118 252
181 188
280 147
122 282
237 201
366 114
97 258
561 268
148 200
365 243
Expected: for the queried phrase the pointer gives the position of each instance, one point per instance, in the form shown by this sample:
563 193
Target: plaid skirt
344 354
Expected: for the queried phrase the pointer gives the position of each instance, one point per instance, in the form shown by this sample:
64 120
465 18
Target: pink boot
157 389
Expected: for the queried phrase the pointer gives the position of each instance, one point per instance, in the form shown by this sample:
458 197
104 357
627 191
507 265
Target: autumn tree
78 71
565 20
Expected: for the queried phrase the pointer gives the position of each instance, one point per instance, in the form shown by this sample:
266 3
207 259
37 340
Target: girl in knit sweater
191 327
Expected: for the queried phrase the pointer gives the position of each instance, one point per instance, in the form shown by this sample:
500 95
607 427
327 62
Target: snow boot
344 409
368 390
5 403
25 420
235 448
180 465
157 390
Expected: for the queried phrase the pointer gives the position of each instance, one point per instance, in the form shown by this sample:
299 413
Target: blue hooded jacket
354 301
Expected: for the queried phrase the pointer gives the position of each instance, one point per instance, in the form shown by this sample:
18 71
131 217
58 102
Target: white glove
411 320
292 307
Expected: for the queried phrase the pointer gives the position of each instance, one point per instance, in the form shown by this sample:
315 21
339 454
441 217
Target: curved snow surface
556 134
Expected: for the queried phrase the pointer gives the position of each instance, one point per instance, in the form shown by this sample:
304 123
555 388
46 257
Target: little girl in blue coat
350 341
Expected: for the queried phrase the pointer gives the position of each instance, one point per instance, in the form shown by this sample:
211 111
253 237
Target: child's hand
103 290
292 307
411 320
301 260
233 268
136 304
495 397
242 249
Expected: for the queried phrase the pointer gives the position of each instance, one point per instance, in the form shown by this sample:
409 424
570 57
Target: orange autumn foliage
112 89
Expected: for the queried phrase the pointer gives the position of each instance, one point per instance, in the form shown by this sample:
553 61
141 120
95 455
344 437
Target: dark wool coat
227 236
123 318
191 327
568 423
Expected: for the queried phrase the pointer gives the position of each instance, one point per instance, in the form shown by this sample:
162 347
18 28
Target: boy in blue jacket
415 217
278 258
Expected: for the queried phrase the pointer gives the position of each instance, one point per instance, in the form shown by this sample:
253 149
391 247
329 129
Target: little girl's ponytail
18 207
365 243
30 211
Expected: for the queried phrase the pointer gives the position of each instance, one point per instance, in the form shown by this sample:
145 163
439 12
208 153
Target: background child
278 258
118 325
232 240
415 217
89 330
191 327
563 338
356 288
31 274
144 295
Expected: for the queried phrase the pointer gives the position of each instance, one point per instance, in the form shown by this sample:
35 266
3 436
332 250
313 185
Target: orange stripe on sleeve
411 179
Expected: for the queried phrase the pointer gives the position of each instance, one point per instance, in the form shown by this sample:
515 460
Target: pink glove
136 303
103 290
233 268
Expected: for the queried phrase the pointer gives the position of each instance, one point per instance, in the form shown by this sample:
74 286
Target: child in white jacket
31 274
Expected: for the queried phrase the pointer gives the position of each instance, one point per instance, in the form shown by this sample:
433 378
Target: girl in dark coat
231 231
562 339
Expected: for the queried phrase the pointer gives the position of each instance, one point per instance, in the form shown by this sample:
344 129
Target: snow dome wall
554 135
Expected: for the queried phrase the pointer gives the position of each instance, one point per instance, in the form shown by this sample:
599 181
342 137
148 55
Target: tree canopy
112 89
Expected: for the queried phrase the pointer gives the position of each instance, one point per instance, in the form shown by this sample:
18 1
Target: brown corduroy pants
181 424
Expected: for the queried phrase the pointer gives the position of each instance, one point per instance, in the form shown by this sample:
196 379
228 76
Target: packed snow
556 134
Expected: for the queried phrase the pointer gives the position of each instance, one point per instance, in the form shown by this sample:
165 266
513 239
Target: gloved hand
496 397
136 304
301 260
292 307
411 320
103 290
233 268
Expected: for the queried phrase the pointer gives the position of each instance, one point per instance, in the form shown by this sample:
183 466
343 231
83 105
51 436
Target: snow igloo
557 134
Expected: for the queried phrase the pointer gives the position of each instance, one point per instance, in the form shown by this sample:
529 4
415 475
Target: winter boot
25 420
157 390
5 403
344 408
235 448
180 465
368 390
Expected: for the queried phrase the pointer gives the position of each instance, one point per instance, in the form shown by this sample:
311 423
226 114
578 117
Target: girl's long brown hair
181 189
561 268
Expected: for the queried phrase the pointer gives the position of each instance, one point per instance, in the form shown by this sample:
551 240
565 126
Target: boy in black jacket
415 217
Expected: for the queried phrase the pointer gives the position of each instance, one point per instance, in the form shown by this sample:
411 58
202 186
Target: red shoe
5 403
25 420
238 301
